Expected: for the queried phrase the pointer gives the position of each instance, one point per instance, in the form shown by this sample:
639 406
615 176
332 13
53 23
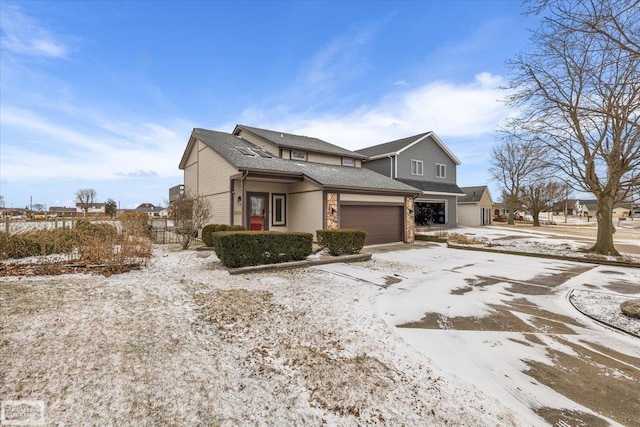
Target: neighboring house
95 209
268 180
424 162
576 207
474 208
152 210
622 210
176 192
62 212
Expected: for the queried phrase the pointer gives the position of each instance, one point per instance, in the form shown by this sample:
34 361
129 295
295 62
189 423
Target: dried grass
463 239
92 244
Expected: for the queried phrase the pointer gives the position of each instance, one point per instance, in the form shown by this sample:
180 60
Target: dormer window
348 161
299 155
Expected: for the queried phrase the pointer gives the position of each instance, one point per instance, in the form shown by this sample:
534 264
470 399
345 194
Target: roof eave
441 193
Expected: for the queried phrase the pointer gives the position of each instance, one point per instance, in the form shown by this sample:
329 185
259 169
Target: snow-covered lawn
182 342
424 335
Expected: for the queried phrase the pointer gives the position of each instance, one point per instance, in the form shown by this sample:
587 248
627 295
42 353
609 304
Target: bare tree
539 194
513 161
189 215
610 19
38 207
85 198
579 94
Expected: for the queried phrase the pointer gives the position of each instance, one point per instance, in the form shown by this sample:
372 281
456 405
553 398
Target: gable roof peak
399 145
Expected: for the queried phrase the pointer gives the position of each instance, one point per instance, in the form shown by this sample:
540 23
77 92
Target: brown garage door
383 224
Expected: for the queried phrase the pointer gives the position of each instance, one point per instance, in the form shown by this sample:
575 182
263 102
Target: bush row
344 241
38 242
94 243
208 230
242 248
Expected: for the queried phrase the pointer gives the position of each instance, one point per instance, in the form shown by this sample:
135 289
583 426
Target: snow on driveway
504 324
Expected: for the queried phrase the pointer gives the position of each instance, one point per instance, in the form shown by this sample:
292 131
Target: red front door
257 210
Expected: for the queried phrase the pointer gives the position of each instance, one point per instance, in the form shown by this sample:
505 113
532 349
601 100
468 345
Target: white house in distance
152 210
474 208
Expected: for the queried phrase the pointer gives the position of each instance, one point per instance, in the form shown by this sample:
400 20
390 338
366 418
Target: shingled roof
472 194
433 187
399 145
231 148
299 142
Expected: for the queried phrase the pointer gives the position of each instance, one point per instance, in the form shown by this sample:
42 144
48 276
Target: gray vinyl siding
431 154
382 166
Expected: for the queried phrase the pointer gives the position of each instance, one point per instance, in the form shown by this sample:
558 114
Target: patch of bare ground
568 417
593 379
502 319
624 287
59 268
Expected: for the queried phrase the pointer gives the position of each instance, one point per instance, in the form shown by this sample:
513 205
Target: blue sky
104 95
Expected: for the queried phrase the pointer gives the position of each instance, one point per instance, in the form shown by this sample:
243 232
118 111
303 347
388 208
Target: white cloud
451 110
23 35
34 147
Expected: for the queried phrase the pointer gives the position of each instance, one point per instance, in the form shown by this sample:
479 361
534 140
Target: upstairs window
348 161
441 171
416 167
299 155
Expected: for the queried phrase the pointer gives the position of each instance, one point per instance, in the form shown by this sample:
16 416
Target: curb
598 320
548 256
299 264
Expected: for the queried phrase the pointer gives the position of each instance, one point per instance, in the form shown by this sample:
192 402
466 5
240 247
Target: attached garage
383 223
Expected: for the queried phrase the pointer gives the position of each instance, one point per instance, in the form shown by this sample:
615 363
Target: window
416 167
299 155
348 161
441 171
279 204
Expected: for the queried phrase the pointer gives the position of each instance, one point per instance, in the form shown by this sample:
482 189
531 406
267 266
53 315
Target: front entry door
257 210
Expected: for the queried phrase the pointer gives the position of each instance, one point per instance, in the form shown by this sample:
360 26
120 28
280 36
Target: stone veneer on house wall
332 211
409 220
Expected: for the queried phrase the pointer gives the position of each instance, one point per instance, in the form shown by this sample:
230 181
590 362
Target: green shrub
241 248
344 241
38 242
207 231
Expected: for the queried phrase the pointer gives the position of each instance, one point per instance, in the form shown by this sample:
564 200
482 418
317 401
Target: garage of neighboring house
383 224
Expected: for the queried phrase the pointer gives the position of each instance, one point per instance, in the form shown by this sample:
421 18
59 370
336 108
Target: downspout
244 197
395 171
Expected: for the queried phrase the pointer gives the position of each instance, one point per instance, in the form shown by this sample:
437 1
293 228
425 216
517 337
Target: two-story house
424 162
269 180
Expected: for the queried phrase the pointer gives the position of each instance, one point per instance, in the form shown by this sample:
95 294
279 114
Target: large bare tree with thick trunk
579 95
513 162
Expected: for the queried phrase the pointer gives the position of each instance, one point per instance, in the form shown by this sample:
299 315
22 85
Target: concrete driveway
505 324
